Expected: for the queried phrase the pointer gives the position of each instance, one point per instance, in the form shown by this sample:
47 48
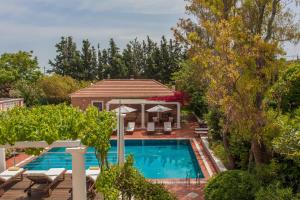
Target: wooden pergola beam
43 144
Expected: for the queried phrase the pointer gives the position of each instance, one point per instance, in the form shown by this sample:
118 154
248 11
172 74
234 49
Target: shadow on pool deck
61 191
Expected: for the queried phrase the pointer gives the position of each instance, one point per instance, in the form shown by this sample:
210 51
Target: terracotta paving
18 158
179 187
186 131
185 192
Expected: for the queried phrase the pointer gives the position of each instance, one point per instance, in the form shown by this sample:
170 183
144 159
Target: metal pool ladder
198 178
188 178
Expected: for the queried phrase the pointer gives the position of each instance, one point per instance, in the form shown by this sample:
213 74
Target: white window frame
96 101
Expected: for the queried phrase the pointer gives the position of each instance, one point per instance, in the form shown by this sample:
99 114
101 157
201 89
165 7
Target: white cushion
35 172
92 172
55 171
11 173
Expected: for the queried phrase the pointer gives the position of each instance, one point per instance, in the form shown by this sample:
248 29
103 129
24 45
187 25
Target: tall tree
151 52
88 57
133 58
141 59
116 69
14 67
100 65
235 45
67 60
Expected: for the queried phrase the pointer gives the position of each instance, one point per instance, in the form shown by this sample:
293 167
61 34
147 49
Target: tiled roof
125 88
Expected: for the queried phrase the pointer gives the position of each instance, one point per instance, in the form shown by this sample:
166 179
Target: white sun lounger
167 127
8 176
201 129
130 127
92 174
150 127
44 177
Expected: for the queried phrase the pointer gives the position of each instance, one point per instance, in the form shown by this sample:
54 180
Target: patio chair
201 131
44 177
9 176
155 119
91 176
130 127
167 127
150 127
114 132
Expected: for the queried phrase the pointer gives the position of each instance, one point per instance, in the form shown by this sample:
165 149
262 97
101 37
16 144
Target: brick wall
83 102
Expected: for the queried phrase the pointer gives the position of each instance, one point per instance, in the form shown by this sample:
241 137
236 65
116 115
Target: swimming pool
154 158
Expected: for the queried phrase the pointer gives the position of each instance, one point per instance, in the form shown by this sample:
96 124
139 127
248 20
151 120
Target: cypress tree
88 67
67 59
100 67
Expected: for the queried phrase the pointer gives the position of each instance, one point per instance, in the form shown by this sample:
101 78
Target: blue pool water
154 158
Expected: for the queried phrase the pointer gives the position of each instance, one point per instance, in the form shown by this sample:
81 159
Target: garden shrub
267 174
232 185
213 118
239 149
198 103
151 191
274 192
129 183
219 151
289 173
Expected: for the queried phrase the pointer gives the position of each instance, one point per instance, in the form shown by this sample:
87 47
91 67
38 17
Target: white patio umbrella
159 109
124 109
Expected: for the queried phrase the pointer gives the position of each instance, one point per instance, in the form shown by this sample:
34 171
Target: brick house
111 93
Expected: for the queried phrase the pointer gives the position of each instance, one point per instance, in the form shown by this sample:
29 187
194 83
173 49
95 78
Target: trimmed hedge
232 185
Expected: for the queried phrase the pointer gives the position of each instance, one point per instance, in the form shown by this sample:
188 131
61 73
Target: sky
37 25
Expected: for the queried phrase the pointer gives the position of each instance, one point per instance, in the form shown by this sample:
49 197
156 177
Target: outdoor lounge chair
9 176
155 119
201 131
130 127
45 177
167 127
150 127
91 176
